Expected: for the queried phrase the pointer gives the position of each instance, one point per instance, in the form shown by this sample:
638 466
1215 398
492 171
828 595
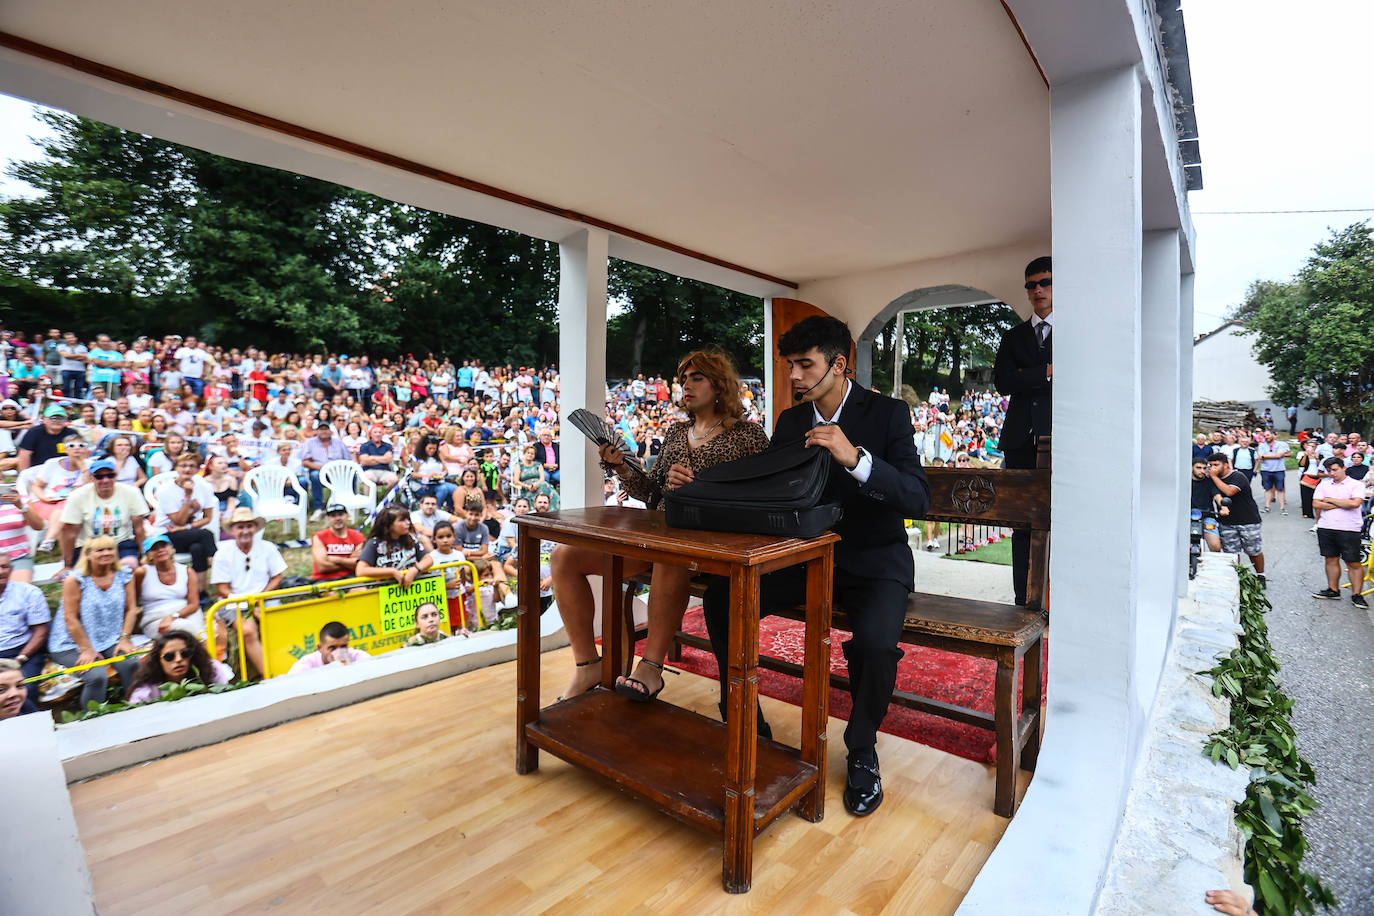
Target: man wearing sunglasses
1024 370
103 508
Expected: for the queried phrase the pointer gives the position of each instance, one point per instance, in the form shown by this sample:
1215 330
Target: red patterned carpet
926 672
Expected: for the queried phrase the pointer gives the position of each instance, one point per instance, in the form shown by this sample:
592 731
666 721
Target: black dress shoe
863 787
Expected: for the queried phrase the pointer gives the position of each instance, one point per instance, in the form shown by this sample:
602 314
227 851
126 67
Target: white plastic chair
342 479
265 486
150 488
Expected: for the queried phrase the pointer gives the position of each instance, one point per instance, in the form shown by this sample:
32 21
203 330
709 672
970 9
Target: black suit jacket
873 540
1020 373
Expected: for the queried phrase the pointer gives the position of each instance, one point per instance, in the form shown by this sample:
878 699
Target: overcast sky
1283 107
1282 97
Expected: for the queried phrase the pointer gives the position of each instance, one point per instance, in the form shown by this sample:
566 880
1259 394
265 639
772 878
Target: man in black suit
1024 370
877 478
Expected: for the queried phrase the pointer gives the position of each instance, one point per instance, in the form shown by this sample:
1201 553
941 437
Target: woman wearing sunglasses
176 656
55 481
95 619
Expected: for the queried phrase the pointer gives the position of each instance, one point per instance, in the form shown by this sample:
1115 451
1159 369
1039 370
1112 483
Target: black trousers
876 608
198 542
1021 457
1307 494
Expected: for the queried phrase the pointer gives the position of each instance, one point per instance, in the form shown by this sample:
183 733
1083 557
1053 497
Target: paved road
1326 649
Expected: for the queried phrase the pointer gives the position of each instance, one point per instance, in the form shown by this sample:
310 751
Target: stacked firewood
1210 415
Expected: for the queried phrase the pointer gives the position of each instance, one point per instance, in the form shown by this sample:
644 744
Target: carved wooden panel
1017 499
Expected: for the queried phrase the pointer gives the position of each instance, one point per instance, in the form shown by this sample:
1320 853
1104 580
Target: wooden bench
1005 633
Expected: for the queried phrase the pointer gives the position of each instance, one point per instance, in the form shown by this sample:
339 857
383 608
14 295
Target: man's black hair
1041 265
1332 462
1219 458
333 630
829 335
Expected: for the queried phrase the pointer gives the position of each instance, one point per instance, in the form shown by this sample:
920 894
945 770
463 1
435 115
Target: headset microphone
800 396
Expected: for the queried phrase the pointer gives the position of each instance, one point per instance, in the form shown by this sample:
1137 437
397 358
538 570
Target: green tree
110 207
459 287
1312 332
940 343
274 256
131 234
666 316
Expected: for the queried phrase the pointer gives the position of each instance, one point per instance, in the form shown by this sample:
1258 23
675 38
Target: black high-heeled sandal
590 661
641 693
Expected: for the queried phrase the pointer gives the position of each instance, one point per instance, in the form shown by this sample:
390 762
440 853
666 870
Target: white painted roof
802 140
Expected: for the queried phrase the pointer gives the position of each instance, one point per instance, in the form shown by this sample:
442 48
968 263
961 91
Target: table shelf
668 756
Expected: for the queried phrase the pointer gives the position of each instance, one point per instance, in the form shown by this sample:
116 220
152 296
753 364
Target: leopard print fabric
736 441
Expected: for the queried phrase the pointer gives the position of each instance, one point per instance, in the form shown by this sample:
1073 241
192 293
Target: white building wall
1225 369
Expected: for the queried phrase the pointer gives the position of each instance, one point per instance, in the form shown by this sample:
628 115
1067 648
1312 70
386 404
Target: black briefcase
777 491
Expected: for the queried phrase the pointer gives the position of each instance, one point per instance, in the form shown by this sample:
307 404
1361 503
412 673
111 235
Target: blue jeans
73 382
316 490
197 385
443 492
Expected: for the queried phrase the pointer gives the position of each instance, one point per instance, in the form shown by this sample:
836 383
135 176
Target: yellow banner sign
398 605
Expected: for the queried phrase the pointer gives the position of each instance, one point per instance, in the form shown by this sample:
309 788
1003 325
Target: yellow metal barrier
379 614
326 604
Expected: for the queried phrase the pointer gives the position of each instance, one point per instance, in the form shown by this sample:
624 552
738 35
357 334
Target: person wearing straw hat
248 566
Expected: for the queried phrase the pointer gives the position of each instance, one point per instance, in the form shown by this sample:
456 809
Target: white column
1071 812
581 358
1185 403
46 871
897 361
1164 466
769 352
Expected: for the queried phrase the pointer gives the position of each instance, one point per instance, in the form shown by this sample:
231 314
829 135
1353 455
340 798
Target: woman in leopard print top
716 432
735 438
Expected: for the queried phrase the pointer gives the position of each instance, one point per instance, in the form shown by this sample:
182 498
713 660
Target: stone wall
1178 837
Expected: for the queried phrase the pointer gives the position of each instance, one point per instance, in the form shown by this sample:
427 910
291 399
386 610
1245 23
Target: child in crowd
933 528
428 627
475 539
489 607
443 552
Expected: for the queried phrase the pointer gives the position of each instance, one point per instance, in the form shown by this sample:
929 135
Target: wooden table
722 779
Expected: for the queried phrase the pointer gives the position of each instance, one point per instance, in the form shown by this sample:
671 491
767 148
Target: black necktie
1044 331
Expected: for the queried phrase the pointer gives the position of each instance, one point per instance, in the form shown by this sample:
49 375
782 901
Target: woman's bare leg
569 567
668 595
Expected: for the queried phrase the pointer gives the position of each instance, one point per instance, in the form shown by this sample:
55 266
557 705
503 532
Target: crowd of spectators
87 423
971 427
1335 493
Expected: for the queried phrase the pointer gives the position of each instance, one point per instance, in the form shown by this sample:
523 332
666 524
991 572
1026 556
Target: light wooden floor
410 804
